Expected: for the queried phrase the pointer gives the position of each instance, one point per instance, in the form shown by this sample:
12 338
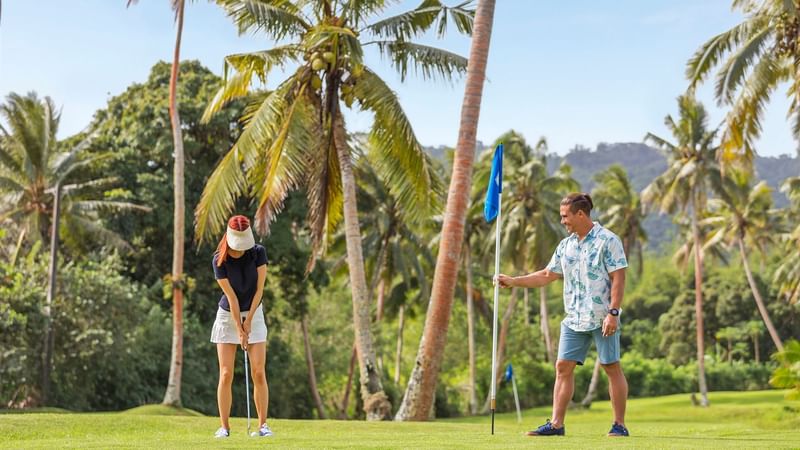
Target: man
592 262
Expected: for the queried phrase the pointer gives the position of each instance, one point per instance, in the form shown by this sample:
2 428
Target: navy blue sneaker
547 430
618 430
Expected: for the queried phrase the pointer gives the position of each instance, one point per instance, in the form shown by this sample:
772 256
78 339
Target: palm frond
356 11
285 161
743 123
709 54
430 62
83 225
429 14
733 71
245 66
224 186
277 18
84 206
403 162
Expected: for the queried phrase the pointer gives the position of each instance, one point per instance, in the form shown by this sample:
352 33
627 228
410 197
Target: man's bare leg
563 390
617 390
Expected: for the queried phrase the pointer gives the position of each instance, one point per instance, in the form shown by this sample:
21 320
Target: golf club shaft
247 389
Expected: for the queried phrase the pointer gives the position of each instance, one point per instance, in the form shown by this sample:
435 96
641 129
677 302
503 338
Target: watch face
613 311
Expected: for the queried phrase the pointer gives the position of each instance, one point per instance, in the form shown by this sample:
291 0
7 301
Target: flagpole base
492 421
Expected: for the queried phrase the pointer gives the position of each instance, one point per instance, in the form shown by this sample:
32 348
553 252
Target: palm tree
622 212
418 399
728 334
172 395
744 218
755 329
295 135
37 173
692 171
754 58
621 209
392 233
787 277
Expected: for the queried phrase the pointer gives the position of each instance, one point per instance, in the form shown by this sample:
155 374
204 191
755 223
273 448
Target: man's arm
617 287
532 280
611 323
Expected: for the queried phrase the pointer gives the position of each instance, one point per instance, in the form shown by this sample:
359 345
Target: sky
578 73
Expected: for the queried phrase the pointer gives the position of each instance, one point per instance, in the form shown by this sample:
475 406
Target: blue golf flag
509 373
492 205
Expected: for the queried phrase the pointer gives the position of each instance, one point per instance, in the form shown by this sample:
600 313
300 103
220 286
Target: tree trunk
401 323
49 336
592 391
505 324
527 307
376 403
730 350
378 319
755 349
698 306
473 398
173 394
418 399
312 373
347 387
762 309
545 323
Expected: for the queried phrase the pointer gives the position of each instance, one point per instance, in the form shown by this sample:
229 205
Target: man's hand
504 281
610 325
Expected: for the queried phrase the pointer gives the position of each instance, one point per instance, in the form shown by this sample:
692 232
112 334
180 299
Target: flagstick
496 295
516 398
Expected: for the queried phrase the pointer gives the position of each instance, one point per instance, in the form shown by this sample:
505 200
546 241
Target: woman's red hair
238 223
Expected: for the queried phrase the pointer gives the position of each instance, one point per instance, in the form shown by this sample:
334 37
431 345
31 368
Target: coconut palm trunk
312 373
762 309
698 305
473 399
49 337
173 394
348 386
418 399
526 305
401 323
376 403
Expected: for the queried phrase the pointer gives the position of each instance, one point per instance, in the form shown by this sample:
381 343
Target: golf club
247 391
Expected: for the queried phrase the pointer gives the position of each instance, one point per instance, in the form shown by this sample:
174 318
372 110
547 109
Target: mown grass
735 420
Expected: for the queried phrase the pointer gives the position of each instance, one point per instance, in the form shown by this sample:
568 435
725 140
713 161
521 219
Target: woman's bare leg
258 365
226 353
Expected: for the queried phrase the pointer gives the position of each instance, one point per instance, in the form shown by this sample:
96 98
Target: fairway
735 420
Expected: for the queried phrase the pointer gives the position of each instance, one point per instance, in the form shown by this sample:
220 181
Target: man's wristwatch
613 312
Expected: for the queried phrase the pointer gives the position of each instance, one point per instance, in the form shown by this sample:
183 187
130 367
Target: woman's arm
262 277
233 301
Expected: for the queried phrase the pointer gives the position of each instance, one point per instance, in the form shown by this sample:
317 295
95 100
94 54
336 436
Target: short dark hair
578 201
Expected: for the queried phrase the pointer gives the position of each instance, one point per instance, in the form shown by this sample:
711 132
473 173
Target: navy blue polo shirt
242 274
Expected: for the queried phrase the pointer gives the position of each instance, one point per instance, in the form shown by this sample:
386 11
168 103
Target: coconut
316 82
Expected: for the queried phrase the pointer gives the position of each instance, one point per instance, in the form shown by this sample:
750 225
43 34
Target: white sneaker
222 433
264 431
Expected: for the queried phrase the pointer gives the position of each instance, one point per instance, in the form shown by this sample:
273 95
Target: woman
240 267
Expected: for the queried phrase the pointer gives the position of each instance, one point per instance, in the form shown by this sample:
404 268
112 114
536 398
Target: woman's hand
247 324
244 336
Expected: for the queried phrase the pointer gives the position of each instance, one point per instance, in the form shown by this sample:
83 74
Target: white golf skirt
224 329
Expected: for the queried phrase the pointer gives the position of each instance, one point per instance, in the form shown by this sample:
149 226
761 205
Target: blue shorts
574 345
